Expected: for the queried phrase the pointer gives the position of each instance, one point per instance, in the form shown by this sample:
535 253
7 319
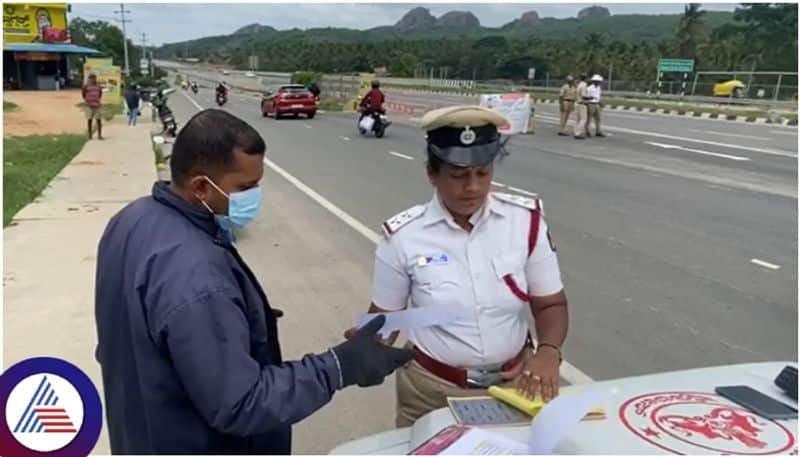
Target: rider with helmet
373 101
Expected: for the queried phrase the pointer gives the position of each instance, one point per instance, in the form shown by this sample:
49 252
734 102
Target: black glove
365 360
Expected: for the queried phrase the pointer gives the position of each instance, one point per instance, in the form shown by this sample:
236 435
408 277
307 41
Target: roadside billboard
516 107
108 76
35 23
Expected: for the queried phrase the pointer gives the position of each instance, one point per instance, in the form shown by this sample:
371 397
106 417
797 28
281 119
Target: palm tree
690 30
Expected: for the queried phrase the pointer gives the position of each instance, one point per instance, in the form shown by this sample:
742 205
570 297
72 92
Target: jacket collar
200 218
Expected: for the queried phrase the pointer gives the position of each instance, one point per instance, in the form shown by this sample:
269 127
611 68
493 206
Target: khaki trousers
567 107
593 115
581 119
420 392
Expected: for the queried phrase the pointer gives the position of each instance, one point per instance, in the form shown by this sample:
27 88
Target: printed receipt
413 318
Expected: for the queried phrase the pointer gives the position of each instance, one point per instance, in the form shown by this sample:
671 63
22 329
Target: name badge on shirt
432 260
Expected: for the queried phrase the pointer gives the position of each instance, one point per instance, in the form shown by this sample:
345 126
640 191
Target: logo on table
51 408
696 422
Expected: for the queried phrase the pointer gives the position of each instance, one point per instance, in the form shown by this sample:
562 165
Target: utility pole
144 54
122 12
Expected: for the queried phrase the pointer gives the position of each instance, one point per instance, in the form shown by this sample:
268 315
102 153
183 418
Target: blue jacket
188 343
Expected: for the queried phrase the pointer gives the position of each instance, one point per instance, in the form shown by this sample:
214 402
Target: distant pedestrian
93 97
594 93
581 113
133 99
566 101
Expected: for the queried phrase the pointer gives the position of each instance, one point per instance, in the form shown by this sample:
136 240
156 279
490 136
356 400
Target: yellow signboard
364 86
109 77
35 23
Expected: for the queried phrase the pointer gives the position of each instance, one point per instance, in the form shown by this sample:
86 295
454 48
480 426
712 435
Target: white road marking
192 100
346 138
764 264
306 126
522 191
550 119
569 372
402 156
712 132
498 184
698 151
778 132
635 116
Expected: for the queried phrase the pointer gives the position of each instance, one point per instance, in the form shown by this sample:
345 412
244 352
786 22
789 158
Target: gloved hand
365 360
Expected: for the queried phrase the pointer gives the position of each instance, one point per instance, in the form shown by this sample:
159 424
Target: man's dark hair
206 143
583 76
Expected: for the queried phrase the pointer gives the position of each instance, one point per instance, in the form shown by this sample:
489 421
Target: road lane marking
764 264
402 156
778 132
552 119
306 126
498 184
192 100
522 191
572 374
712 132
346 138
697 151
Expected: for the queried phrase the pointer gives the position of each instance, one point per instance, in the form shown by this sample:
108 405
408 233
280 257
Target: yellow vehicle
733 88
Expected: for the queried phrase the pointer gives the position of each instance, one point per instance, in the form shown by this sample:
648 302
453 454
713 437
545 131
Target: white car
226 72
250 74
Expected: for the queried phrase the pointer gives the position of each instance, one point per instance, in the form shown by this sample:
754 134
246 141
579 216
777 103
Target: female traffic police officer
490 254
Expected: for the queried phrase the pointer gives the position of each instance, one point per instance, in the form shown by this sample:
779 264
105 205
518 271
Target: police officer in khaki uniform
581 112
486 257
566 100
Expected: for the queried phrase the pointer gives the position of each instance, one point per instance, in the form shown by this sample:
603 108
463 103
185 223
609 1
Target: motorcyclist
373 101
222 89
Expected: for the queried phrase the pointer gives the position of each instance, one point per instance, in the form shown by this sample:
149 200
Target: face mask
242 207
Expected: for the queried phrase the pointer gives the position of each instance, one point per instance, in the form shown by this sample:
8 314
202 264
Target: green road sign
676 65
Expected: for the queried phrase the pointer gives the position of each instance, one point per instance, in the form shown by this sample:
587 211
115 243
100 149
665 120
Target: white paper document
481 442
414 318
559 417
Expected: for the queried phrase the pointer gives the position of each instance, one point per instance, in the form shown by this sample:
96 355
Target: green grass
29 163
332 104
9 106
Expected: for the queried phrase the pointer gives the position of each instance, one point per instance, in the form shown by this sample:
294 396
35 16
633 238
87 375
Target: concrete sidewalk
50 250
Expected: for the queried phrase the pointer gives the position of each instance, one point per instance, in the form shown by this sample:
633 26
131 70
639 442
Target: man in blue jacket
187 340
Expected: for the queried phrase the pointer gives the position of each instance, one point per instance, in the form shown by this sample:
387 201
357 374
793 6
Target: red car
291 99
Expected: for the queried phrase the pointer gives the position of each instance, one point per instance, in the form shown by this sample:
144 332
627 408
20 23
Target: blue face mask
242 207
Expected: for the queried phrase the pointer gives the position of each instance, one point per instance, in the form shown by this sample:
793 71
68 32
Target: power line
122 12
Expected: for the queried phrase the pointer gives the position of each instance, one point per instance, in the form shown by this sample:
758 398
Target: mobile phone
757 402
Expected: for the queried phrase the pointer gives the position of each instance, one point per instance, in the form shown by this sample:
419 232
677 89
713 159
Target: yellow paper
530 406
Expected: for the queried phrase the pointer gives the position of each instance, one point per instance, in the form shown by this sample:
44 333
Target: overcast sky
173 22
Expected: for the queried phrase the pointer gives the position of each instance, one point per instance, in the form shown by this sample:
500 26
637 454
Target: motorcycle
221 98
168 123
375 122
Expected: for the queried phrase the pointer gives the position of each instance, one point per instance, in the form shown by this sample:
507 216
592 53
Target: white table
664 413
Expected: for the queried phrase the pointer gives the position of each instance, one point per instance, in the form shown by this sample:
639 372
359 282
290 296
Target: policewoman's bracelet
550 345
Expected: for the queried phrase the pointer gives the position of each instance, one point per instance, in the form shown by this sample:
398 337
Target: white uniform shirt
466 270
594 92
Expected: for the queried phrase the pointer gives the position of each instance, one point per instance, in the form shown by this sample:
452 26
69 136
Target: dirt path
44 113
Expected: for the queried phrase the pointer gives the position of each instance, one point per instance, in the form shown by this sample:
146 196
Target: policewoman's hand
540 374
365 360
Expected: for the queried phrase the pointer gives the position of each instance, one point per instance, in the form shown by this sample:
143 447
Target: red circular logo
701 423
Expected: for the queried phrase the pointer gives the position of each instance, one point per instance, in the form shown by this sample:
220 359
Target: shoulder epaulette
400 220
532 203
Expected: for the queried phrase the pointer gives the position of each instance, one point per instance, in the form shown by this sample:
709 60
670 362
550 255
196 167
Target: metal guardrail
440 85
